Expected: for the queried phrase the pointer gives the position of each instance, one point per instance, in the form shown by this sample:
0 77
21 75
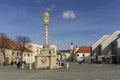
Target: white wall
97 43
36 48
29 57
8 53
80 57
110 39
118 46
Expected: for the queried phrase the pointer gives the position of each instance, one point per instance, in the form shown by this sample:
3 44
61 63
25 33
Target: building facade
83 54
108 50
10 51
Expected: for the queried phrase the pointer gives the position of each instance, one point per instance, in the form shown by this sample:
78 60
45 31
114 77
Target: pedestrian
15 62
18 65
4 63
11 63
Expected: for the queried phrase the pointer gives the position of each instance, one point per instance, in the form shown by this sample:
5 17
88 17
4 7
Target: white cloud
48 9
69 15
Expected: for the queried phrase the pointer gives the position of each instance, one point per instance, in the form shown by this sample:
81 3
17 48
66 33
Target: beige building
12 52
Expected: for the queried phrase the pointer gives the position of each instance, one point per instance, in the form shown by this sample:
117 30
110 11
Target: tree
3 45
22 40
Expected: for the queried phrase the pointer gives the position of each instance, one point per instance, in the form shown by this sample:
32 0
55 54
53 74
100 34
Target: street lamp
46 18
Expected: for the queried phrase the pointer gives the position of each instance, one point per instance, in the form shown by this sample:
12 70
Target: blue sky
79 21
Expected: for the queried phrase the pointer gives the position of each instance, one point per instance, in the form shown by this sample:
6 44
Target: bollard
30 66
67 65
51 67
22 65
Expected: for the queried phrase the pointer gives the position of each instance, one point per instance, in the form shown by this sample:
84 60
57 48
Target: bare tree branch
22 40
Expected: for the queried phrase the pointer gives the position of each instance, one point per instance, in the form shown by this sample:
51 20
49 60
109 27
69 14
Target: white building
96 47
108 49
106 45
118 46
83 54
8 55
36 48
97 44
63 54
12 52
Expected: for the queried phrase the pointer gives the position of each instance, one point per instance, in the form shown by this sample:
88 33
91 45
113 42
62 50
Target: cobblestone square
75 72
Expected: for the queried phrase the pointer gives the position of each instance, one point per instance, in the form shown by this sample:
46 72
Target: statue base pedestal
46 59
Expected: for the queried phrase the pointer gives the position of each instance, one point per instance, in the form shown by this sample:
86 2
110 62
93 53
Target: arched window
28 55
83 55
17 53
12 53
77 55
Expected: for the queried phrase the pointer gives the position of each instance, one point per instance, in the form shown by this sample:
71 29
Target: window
37 49
28 55
17 53
83 55
13 53
24 54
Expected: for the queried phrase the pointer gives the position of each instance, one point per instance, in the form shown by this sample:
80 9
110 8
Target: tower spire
71 46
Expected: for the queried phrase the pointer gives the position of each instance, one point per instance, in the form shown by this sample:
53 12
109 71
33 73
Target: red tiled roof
84 49
10 44
7 43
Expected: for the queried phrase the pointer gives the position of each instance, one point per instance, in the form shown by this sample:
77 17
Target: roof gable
10 44
84 49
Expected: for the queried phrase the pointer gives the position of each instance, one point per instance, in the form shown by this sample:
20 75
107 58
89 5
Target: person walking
11 63
18 65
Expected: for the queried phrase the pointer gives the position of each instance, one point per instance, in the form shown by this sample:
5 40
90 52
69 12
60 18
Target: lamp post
46 18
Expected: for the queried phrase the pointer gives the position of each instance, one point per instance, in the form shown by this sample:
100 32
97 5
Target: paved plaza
75 72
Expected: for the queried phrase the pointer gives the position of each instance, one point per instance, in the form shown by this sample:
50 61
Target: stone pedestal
46 59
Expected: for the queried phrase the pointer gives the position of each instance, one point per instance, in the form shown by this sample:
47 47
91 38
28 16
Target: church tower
71 46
